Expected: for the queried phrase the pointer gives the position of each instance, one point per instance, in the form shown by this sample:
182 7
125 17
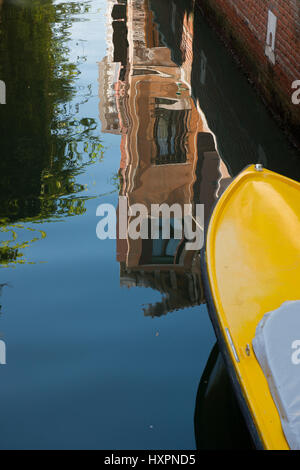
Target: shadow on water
219 424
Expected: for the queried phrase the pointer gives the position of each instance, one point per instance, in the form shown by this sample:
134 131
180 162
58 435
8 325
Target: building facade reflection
168 154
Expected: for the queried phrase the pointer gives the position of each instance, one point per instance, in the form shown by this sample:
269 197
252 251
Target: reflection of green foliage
44 146
10 249
117 181
8 254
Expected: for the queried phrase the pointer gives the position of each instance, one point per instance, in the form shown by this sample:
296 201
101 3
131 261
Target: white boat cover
277 348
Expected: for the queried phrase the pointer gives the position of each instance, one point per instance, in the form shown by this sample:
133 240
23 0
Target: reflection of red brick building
161 138
158 163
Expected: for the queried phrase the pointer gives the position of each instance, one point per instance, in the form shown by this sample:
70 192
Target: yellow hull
253 266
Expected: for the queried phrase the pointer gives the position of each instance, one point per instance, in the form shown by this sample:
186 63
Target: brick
244 25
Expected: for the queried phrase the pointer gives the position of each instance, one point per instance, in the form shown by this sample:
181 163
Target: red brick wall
244 24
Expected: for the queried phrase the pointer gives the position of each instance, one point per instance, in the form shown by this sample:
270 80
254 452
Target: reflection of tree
117 181
43 146
10 249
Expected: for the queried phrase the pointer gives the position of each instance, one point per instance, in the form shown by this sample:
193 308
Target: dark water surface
92 363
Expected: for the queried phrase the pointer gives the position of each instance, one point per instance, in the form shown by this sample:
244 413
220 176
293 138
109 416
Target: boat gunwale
217 322
256 437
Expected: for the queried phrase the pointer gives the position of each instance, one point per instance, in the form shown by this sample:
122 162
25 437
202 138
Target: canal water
107 341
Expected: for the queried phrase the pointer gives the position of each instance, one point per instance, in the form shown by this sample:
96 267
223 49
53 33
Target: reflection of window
160 251
170 131
163 251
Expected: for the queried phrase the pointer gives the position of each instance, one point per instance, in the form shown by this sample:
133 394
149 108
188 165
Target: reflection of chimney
158 309
119 12
189 295
108 108
120 32
120 41
112 68
186 292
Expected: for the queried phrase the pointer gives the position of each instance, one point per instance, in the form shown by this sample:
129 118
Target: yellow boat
251 267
